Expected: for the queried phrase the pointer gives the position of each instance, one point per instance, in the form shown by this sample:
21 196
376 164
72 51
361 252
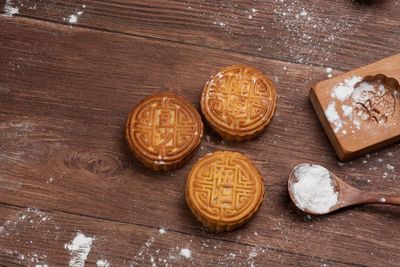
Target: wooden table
65 92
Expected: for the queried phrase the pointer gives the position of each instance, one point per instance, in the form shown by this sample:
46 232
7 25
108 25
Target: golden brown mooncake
163 131
224 190
239 102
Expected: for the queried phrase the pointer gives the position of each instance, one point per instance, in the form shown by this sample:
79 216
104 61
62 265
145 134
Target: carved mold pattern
376 105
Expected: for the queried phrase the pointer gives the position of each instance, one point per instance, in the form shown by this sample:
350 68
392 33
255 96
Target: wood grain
333 34
131 244
65 93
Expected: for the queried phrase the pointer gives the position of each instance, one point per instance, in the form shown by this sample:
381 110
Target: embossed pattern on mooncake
239 102
224 190
163 131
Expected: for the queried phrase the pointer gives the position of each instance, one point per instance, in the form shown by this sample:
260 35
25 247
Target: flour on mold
346 99
344 90
333 116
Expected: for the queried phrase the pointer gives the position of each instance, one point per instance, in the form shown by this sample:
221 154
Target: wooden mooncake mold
360 109
239 102
224 190
163 131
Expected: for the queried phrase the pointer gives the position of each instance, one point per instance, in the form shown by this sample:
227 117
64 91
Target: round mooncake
239 102
224 190
163 131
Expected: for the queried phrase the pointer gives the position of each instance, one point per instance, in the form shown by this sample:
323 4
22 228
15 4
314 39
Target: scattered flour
329 72
72 19
252 254
186 256
314 190
333 116
306 34
79 249
389 167
103 263
16 232
185 252
10 9
345 89
342 105
360 95
356 103
347 110
162 231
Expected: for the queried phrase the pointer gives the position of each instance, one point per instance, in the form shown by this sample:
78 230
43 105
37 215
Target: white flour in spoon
314 190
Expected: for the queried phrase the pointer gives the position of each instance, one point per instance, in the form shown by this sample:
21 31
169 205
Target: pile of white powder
10 9
79 249
340 93
185 252
314 190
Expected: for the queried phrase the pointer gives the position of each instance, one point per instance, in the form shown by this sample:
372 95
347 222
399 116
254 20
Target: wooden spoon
347 195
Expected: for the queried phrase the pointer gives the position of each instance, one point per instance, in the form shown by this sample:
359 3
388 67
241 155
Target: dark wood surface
65 93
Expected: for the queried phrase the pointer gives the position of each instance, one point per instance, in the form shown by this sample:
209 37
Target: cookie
224 190
163 131
239 102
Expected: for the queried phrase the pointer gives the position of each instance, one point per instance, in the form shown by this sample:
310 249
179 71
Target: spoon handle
393 200
380 198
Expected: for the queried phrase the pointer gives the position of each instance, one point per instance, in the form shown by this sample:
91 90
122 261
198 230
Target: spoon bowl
347 195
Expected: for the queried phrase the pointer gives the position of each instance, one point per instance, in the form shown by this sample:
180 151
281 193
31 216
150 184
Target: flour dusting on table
10 9
79 249
103 263
329 71
185 252
309 36
72 19
17 241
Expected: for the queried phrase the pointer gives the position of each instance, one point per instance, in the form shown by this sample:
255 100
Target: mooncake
224 190
163 131
238 102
